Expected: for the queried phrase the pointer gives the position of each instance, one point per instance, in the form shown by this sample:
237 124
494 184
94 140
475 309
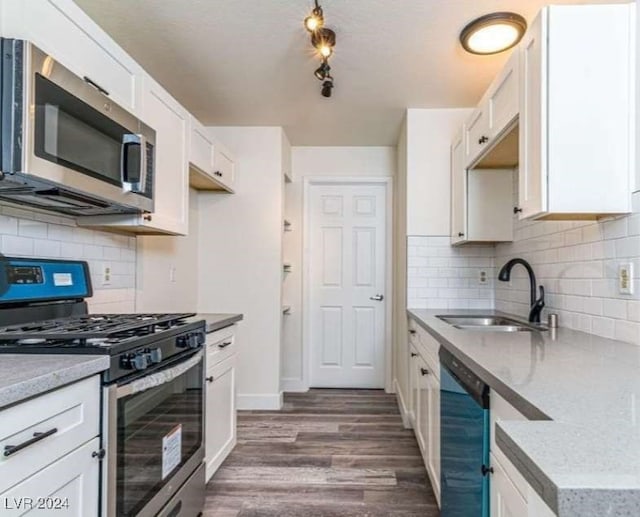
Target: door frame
309 182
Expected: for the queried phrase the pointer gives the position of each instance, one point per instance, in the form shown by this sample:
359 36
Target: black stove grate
109 327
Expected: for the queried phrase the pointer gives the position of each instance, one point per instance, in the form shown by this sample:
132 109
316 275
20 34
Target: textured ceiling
249 62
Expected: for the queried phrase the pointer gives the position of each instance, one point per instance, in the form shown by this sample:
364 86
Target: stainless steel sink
489 323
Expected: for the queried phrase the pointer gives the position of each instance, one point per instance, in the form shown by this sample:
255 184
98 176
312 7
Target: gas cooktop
91 333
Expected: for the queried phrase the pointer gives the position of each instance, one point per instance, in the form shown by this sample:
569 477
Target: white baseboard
259 401
404 410
293 385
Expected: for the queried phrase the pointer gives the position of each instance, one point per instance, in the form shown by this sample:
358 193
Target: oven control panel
36 280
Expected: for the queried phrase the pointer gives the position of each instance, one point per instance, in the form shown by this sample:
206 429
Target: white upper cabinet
481 201
212 164
171 177
577 112
458 191
503 101
62 29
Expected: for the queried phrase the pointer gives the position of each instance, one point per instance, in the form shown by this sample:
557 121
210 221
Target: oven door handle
158 379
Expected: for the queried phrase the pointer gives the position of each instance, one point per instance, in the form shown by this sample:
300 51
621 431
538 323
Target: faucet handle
541 299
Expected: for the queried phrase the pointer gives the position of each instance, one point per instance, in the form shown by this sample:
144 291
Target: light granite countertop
23 376
581 449
217 321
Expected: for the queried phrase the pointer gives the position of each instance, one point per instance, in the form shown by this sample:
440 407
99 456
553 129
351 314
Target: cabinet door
433 459
506 501
69 486
220 414
458 192
201 147
421 403
476 134
171 181
533 119
61 28
503 102
224 168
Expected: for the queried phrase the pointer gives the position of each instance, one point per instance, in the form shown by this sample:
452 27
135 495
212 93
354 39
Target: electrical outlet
483 278
625 278
106 274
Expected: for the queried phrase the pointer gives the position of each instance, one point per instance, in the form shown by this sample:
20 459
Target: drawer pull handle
12 449
224 345
91 82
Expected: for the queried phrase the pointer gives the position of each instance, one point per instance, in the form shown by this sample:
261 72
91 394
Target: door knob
377 298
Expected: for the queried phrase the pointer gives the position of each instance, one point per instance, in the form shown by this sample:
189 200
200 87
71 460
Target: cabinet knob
460 234
413 354
486 470
209 379
517 209
424 371
147 217
412 331
483 140
218 173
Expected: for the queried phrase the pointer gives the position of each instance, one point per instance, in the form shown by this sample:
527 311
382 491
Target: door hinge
100 454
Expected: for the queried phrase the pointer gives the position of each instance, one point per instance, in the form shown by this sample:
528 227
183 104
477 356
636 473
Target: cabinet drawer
220 345
74 413
67 487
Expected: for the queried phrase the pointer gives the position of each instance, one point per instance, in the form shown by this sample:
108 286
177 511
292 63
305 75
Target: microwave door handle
133 181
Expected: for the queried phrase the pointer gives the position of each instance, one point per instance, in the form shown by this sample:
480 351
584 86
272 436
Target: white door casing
346 268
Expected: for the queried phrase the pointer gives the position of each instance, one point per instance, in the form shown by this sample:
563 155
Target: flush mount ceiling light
493 33
323 40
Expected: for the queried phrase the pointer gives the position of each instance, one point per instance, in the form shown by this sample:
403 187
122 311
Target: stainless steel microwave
66 146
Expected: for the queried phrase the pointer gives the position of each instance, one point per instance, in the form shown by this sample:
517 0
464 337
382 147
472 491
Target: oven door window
71 133
158 431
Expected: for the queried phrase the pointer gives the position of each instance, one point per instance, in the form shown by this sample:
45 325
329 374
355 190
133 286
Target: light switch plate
106 273
625 278
483 278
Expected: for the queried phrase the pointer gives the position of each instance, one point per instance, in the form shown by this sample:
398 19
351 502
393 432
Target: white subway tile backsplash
26 233
577 262
446 277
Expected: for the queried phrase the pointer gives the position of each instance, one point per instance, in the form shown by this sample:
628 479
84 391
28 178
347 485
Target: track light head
323 71
327 86
324 40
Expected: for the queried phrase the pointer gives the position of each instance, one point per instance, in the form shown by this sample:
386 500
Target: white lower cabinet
505 499
68 487
53 463
220 399
424 385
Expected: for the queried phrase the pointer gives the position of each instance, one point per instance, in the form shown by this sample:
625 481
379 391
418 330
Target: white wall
29 233
314 162
429 136
158 289
240 259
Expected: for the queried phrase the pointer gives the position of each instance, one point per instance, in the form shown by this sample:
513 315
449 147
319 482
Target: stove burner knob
155 355
138 361
191 340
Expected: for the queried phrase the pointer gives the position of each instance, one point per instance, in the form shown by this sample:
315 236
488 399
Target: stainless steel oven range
153 392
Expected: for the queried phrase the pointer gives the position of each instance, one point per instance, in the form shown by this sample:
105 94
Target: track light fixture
323 71
315 20
323 40
327 86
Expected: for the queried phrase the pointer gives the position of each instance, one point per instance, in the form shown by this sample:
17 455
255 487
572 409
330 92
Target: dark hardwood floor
326 453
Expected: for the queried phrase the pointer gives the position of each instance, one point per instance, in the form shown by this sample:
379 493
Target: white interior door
347 254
